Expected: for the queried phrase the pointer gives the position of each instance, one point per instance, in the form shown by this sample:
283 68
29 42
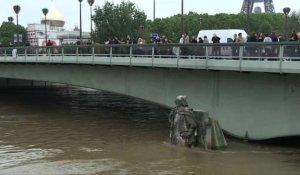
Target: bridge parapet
256 57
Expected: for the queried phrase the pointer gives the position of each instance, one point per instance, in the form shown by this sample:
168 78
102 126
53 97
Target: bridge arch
265 105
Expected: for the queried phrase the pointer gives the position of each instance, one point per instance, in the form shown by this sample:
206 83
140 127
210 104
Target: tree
125 19
119 20
193 22
7 31
265 28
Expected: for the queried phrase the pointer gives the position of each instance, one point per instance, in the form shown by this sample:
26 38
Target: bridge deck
254 57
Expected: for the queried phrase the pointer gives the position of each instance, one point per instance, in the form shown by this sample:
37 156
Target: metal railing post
130 53
49 55
5 55
62 54
110 55
178 57
206 57
241 57
26 54
153 54
77 54
36 55
281 51
93 54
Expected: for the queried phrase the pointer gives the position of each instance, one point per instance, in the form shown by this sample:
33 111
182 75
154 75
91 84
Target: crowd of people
186 39
239 38
215 50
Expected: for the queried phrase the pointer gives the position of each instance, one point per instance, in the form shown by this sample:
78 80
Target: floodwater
73 131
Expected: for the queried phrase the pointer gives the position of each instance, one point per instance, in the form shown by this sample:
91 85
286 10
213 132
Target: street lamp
91 2
142 30
45 12
200 22
80 29
298 22
154 10
181 16
286 12
17 9
10 19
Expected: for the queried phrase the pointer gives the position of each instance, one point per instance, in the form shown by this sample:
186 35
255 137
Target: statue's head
181 101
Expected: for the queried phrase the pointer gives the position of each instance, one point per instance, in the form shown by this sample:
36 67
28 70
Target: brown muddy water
76 131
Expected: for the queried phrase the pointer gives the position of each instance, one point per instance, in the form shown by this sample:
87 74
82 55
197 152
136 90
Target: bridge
253 89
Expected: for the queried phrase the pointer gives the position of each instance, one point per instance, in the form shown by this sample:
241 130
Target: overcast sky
31 10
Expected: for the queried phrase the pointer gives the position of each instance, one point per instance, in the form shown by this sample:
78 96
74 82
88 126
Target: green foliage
7 30
125 19
119 20
265 27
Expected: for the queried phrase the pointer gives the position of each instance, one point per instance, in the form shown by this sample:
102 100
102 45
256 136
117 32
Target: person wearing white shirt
14 53
268 48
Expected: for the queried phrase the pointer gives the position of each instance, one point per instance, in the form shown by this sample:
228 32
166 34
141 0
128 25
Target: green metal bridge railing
203 55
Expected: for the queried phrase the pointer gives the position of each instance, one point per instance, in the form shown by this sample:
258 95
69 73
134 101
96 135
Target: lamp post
286 12
200 22
181 16
10 19
142 31
17 9
298 22
91 2
154 11
45 12
80 29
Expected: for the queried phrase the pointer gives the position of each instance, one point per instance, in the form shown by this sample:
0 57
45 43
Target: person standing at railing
186 41
275 49
201 49
182 41
14 52
89 48
216 50
239 39
205 40
260 37
187 38
294 38
268 48
252 49
49 44
194 40
194 49
234 50
200 40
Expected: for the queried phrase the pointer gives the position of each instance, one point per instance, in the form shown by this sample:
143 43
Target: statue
191 128
183 124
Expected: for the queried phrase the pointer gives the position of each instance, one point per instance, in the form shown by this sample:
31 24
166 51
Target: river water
74 131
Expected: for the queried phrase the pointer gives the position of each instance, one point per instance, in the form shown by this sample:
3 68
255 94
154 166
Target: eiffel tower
249 4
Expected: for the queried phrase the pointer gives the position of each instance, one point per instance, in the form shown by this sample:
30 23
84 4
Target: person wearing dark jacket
216 50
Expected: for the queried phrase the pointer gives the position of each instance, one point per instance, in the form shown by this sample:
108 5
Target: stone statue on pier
191 128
